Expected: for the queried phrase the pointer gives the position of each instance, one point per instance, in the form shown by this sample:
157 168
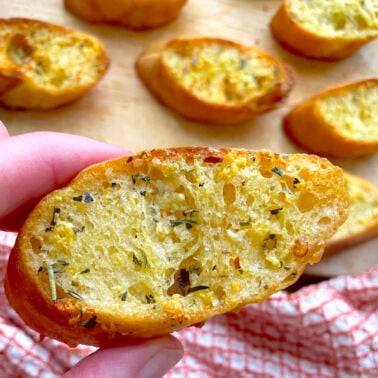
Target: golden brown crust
362 222
76 320
300 40
137 15
156 74
43 66
307 126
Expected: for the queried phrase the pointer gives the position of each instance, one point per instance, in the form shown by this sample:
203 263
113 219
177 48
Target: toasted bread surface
362 221
43 66
214 80
134 14
325 29
148 244
338 122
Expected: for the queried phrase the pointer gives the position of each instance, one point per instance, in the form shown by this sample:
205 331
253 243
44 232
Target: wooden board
121 111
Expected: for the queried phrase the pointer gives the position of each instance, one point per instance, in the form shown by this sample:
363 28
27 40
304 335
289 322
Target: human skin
34 164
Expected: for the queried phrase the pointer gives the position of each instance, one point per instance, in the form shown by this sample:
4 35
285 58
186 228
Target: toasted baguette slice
339 122
134 14
362 222
325 29
148 244
43 66
214 80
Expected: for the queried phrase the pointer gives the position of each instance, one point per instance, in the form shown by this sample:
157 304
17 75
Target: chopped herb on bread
148 244
43 66
214 80
339 122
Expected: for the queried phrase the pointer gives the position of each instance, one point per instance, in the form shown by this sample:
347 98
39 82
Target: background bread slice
325 29
43 66
339 122
148 244
362 221
134 14
214 80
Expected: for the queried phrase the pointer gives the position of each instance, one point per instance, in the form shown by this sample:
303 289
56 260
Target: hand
31 165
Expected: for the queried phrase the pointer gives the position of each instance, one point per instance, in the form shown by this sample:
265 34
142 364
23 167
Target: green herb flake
60 262
77 230
124 296
145 260
59 271
52 284
245 223
198 288
87 270
270 242
278 171
140 176
136 261
74 295
189 212
187 221
56 211
86 197
150 299
242 63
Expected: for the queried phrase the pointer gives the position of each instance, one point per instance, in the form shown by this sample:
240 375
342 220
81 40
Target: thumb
139 359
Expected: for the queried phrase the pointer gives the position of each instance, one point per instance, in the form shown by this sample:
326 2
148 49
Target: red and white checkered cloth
325 330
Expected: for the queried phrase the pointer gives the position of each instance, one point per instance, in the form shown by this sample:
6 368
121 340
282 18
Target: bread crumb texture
353 111
337 18
54 64
222 72
363 208
148 244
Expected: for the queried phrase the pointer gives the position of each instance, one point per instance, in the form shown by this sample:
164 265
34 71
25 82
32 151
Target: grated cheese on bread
325 29
214 80
149 244
340 122
134 14
43 66
362 222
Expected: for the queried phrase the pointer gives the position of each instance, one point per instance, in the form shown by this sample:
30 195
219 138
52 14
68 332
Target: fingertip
139 358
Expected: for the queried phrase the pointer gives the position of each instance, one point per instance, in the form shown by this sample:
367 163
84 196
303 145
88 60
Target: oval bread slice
339 122
214 80
148 244
325 29
362 222
134 14
43 66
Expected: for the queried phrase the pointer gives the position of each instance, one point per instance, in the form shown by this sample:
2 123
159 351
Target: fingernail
161 362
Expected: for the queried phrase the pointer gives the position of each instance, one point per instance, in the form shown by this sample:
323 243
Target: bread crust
350 233
301 41
306 126
31 75
68 319
152 68
137 15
